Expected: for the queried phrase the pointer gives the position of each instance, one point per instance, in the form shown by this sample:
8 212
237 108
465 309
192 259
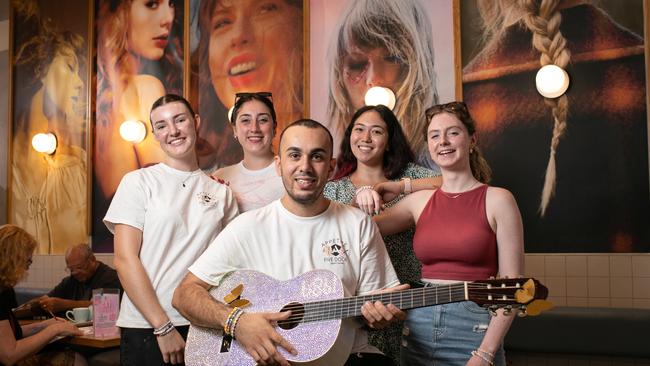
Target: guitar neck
407 299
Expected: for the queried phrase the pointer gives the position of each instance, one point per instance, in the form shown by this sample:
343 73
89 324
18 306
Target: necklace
186 178
456 195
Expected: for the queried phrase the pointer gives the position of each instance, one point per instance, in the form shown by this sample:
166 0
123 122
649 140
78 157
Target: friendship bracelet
164 329
486 353
234 323
231 321
487 360
362 188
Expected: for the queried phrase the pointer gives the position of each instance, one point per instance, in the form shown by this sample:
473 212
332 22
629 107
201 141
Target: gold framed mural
140 57
50 73
588 150
405 45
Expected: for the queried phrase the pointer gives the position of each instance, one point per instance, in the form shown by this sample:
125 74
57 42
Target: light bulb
379 95
133 131
551 81
44 143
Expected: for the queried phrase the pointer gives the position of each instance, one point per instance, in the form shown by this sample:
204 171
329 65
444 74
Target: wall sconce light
380 95
551 81
44 143
133 131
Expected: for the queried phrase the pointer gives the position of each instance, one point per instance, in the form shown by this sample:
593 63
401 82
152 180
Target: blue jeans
445 335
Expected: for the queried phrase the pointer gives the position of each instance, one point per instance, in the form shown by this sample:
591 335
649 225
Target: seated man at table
75 290
291 236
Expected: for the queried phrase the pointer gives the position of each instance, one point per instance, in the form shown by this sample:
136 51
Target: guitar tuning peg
492 311
522 313
507 310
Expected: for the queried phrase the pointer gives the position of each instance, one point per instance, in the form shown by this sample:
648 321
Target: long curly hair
16 248
42 42
404 30
397 155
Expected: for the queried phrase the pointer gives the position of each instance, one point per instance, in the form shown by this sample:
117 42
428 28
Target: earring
234 136
471 150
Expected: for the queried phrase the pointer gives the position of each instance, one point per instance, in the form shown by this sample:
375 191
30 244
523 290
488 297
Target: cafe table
88 339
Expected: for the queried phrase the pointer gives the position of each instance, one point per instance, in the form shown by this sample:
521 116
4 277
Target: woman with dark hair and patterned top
374 150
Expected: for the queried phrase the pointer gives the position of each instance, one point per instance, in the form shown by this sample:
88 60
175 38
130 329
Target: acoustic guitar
318 307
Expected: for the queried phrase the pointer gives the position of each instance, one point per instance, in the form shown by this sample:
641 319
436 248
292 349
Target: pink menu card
106 307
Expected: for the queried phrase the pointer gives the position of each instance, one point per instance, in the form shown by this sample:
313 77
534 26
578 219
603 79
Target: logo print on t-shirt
205 199
334 251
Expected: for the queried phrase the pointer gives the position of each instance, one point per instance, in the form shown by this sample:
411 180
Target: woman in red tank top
465 230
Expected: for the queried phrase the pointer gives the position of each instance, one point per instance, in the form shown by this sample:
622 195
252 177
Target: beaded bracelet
231 321
485 353
479 355
362 188
164 329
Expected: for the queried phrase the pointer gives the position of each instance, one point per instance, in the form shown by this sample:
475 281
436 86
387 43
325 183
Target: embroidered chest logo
334 251
206 199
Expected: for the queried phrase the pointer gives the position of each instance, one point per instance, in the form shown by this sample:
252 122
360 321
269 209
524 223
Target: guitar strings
335 308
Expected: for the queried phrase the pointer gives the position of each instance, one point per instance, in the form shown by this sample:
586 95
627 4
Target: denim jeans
139 346
445 335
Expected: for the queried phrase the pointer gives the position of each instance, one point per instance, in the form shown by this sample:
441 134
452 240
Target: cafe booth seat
24 294
570 332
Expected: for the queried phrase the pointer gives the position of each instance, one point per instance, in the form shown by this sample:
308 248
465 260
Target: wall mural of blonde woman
389 43
577 164
48 195
245 46
139 59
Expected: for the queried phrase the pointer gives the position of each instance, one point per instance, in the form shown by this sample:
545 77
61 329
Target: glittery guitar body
317 307
206 346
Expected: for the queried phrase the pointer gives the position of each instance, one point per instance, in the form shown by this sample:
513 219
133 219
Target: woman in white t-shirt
163 217
254 180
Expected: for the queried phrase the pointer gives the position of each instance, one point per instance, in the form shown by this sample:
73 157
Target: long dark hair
398 153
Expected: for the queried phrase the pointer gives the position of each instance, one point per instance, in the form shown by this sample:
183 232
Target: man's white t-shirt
179 214
282 245
252 188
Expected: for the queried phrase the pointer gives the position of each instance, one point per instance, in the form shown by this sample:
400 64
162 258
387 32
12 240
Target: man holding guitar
302 231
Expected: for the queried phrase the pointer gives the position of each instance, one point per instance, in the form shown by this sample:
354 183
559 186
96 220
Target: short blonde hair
16 247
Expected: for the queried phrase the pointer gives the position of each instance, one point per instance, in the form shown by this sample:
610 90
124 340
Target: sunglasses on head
267 95
452 107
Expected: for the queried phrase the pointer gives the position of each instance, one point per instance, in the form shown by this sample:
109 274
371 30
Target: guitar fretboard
408 299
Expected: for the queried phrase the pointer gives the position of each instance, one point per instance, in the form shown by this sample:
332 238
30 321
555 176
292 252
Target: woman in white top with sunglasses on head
254 180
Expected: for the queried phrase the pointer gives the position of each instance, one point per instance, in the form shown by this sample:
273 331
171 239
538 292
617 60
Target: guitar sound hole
297 312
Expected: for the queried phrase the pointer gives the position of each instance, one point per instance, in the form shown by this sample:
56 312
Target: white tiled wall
594 280
47 270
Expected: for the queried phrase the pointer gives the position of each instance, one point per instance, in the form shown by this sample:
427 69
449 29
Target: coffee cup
78 315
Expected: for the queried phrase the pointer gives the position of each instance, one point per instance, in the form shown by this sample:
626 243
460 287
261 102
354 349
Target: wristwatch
407 185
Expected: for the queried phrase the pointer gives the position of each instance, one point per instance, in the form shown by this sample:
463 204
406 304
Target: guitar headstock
527 295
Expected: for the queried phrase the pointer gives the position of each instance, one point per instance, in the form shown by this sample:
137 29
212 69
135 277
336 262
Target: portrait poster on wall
577 164
404 45
139 59
244 46
48 193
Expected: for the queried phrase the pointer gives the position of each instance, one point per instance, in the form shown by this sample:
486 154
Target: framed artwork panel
589 149
50 63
